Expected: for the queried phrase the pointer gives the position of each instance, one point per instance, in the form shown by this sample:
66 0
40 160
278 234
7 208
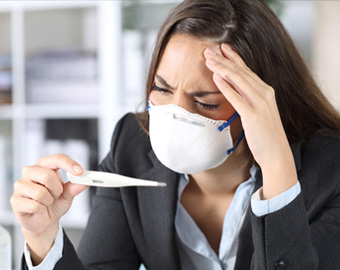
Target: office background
70 69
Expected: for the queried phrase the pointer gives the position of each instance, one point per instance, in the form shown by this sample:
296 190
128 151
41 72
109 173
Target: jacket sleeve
69 257
286 239
305 234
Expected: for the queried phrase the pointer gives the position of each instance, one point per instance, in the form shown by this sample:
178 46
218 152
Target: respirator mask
189 143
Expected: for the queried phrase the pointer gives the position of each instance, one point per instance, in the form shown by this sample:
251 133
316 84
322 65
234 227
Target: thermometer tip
161 184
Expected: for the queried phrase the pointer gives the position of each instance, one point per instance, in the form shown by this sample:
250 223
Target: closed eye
201 105
160 89
208 107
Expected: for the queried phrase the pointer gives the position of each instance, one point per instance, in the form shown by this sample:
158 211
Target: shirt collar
184 180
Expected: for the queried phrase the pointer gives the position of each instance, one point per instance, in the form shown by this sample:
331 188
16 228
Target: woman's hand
41 198
255 102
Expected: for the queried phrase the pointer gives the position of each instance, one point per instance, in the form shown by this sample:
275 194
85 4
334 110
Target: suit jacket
134 225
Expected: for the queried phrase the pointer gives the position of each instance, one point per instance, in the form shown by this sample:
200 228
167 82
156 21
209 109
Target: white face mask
189 143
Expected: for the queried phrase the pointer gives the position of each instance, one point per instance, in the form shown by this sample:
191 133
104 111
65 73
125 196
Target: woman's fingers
238 102
24 205
42 182
61 161
34 192
229 53
237 76
71 190
241 78
44 177
234 57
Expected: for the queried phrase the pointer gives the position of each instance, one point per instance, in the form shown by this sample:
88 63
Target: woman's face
183 79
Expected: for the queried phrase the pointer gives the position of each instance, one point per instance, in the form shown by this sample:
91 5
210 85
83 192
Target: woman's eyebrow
192 94
204 93
162 81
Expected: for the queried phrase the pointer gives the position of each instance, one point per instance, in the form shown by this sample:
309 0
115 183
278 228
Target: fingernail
211 52
77 169
211 62
226 46
218 77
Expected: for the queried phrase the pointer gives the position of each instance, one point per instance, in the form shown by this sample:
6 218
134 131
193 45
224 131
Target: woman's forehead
183 63
190 44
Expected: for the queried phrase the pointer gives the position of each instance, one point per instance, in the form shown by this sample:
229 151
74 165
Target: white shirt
195 250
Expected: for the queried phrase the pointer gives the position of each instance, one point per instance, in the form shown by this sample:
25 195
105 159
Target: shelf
64 111
49 111
7 6
6 112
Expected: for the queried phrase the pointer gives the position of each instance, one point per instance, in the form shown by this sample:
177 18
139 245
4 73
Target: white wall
327 49
5 43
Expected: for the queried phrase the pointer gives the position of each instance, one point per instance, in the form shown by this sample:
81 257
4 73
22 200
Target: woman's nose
182 101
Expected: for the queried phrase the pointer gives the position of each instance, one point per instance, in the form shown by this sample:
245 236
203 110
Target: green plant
276 6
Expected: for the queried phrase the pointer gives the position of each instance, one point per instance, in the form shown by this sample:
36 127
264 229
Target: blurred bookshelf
52 95
65 80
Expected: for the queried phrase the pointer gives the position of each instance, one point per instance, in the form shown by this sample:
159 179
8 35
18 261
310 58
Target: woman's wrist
41 244
278 176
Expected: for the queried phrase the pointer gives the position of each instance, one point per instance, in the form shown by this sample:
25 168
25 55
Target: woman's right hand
41 198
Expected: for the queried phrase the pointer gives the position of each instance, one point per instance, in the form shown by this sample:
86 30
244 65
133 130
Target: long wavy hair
252 29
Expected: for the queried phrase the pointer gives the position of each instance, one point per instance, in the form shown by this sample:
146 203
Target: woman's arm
288 238
255 102
40 199
106 242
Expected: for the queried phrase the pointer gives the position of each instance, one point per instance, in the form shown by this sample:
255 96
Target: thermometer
105 179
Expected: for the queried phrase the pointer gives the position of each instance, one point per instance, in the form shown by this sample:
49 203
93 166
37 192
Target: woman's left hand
255 102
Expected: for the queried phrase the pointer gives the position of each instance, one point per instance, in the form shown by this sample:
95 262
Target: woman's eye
159 89
208 107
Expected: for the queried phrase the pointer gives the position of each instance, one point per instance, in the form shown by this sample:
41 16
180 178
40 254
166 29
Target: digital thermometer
105 179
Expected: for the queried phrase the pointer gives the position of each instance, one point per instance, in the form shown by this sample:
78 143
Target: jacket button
280 265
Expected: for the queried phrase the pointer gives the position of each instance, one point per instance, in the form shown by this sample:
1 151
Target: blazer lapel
157 212
296 149
245 246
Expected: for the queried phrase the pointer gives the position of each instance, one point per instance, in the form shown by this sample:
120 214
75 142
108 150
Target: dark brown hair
252 29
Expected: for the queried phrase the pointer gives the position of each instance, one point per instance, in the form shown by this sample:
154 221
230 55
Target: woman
212 59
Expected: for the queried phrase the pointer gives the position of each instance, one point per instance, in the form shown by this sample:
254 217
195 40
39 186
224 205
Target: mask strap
227 124
238 142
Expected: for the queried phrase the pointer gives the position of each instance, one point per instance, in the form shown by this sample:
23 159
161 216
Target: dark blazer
134 225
